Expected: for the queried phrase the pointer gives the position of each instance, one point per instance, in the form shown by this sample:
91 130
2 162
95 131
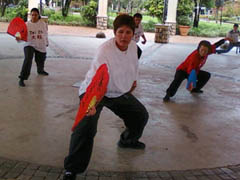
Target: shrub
48 12
149 26
18 11
89 13
183 20
110 23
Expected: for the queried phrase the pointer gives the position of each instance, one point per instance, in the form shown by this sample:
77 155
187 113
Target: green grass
210 29
150 18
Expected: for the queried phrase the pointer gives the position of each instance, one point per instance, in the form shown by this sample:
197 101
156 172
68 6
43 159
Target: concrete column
171 15
102 14
31 4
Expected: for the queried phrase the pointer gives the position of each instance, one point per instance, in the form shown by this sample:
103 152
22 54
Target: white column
32 4
171 15
102 14
172 11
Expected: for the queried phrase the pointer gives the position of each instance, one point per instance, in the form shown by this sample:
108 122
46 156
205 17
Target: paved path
91 32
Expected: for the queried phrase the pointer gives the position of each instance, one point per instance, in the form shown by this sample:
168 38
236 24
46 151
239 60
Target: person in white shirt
36 44
121 57
232 37
138 29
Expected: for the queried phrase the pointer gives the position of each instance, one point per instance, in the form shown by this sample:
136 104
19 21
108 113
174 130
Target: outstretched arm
219 43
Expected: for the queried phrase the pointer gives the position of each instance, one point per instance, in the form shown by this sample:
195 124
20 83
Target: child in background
232 37
138 29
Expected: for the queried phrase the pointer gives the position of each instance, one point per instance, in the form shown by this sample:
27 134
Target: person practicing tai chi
120 56
138 31
232 37
138 28
194 61
37 41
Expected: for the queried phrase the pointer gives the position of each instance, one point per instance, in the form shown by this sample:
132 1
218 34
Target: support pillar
102 14
171 15
31 4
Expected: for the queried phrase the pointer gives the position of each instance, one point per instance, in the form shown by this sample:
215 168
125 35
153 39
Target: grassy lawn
150 18
211 29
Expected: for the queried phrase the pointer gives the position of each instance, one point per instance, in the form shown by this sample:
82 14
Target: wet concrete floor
190 132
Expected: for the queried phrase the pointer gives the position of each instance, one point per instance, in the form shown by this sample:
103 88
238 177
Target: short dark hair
137 15
124 20
36 10
206 44
235 25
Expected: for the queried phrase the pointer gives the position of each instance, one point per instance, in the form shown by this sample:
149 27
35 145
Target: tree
65 7
89 13
184 11
218 4
155 8
184 8
3 5
198 4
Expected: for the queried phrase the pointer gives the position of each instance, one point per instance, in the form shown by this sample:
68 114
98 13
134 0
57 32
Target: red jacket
195 61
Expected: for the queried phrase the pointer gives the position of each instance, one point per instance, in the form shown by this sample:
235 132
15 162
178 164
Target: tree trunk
129 7
165 11
41 11
195 24
3 8
221 17
199 11
65 7
119 6
3 5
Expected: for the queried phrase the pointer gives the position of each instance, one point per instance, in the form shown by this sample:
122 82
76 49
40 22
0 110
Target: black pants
27 63
127 107
202 79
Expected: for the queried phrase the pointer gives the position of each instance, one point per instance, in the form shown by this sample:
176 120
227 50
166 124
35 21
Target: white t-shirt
233 35
37 35
122 68
138 33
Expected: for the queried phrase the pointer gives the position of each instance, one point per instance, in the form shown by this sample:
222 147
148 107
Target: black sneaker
21 83
132 145
196 91
69 176
166 98
44 73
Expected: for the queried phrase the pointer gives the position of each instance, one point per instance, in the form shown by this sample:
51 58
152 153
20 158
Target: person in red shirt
194 61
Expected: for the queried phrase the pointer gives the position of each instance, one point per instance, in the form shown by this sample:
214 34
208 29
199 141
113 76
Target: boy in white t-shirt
138 29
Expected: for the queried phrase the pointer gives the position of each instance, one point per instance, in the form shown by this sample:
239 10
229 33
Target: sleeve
191 63
218 43
191 66
46 33
100 58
